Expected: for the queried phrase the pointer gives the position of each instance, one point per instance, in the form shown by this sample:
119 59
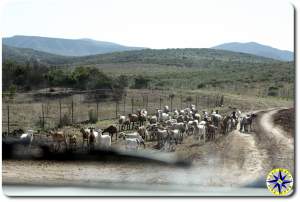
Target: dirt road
236 159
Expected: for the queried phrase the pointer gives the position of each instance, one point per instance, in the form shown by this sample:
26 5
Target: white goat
27 138
200 131
103 141
122 120
132 140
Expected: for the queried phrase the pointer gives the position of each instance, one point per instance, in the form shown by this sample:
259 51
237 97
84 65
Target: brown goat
111 130
58 138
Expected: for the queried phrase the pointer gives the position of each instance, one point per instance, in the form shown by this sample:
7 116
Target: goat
153 120
199 131
85 136
122 120
27 138
175 135
58 138
72 142
211 131
103 141
166 109
246 122
133 119
132 140
143 132
111 130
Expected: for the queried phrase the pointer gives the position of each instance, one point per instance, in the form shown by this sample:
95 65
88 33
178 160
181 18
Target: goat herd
167 128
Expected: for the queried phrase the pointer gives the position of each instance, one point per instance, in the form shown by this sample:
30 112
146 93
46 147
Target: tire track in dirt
279 145
242 158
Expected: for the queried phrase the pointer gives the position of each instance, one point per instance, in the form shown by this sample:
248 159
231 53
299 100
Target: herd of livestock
167 128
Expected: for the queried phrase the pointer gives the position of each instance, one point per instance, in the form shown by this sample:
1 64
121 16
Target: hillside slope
175 57
23 55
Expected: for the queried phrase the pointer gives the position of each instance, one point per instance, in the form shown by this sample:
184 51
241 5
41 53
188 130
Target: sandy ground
236 159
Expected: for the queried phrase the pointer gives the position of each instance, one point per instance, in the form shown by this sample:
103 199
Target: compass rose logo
280 182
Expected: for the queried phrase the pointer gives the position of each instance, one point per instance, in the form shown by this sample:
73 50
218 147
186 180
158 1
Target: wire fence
49 110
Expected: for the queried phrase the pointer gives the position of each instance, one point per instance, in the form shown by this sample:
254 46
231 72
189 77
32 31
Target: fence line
49 113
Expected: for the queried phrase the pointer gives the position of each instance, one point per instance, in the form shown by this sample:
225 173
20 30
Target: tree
141 82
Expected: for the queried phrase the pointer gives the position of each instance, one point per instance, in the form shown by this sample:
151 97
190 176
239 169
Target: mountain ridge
65 47
257 49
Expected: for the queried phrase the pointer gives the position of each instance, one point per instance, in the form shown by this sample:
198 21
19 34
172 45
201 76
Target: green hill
169 57
24 55
173 57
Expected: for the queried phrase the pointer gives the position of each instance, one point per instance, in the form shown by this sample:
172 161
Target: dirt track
236 159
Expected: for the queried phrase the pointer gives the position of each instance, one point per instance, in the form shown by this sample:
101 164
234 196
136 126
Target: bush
92 117
141 82
65 120
273 91
201 85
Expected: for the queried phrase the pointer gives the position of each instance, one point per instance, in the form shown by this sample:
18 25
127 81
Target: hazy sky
153 23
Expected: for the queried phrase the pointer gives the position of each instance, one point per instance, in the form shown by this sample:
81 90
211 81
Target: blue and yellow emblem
280 182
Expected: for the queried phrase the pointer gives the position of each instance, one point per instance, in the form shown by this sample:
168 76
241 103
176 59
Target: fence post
160 99
207 102
97 110
171 103
43 117
59 111
124 105
117 106
8 119
217 100
222 100
180 101
147 102
132 103
72 110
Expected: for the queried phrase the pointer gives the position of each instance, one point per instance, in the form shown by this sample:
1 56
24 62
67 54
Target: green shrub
65 120
141 82
273 91
92 116
201 85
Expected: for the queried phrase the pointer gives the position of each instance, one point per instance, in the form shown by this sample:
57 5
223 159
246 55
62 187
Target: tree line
32 75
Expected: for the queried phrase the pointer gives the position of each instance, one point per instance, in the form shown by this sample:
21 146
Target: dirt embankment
275 140
285 118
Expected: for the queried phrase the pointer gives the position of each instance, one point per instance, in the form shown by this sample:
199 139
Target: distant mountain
199 58
24 55
66 47
257 49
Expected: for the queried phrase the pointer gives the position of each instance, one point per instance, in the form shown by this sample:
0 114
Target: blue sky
153 23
